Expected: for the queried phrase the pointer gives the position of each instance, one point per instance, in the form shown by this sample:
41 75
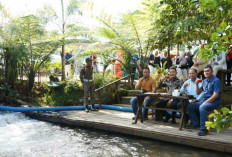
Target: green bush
108 94
7 93
98 79
221 120
1 74
69 94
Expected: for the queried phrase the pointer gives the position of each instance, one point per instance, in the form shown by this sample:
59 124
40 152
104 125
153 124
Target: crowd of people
186 60
206 96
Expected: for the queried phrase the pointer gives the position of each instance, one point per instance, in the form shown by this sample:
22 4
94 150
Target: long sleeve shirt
172 84
191 89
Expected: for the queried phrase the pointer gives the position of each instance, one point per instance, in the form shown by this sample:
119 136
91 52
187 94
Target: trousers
88 92
194 109
134 104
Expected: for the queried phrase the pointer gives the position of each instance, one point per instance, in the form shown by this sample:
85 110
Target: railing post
99 99
116 83
128 80
132 80
117 94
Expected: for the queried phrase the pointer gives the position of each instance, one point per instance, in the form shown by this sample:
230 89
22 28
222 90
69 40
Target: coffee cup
175 93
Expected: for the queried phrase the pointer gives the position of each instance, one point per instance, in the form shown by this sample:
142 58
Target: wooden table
184 101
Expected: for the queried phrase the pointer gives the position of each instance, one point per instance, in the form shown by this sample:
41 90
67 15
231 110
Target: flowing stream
21 136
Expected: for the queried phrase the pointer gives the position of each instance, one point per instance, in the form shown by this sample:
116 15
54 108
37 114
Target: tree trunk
31 80
63 64
178 49
63 41
6 61
104 71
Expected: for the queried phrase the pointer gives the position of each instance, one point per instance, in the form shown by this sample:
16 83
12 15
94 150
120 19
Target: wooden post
132 80
99 99
183 116
128 80
117 94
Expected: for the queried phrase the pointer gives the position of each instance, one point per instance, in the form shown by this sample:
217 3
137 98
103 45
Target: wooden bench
184 100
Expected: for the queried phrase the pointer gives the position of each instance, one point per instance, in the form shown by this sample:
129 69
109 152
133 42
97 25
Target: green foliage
65 23
7 92
108 95
220 41
221 120
1 74
130 34
105 52
98 79
69 94
52 66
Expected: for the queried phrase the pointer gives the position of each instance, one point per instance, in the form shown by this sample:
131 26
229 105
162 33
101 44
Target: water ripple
21 136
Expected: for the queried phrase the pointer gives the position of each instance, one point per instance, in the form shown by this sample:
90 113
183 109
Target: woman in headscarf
166 58
181 62
154 60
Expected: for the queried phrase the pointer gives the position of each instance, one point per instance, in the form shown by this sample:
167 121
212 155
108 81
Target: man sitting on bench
189 87
146 84
211 100
172 83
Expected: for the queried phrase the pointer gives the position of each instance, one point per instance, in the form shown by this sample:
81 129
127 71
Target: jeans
163 104
134 102
195 108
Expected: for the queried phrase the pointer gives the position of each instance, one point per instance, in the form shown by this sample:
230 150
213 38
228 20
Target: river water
21 136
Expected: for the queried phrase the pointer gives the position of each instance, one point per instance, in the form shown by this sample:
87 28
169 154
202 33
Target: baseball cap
88 59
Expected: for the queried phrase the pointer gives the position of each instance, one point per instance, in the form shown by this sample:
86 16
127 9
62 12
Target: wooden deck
121 122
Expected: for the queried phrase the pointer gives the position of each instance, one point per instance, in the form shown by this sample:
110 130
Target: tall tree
130 34
65 21
39 45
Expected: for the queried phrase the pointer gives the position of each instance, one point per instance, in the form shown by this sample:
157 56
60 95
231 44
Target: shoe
133 118
166 119
86 110
203 132
145 119
189 126
94 109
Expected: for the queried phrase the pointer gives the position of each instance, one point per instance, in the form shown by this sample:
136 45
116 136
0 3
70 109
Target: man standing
67 64
211 100
172 82
146 84
86 77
